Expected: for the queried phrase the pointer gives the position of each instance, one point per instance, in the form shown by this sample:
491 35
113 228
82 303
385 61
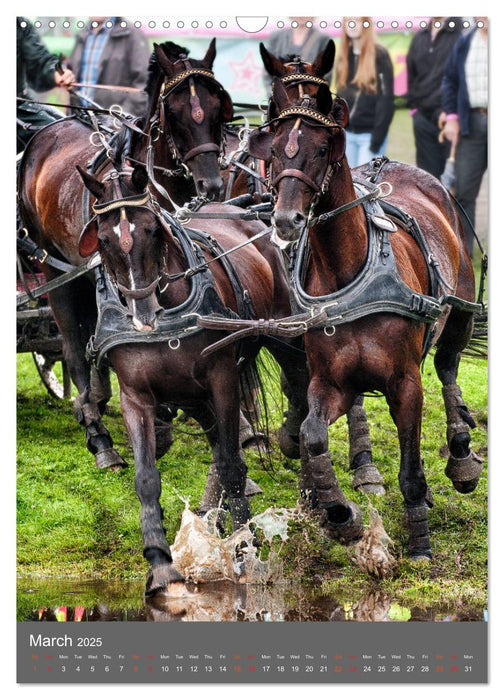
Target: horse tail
256 381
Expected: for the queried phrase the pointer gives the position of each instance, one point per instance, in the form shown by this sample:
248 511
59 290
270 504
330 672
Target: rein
376 193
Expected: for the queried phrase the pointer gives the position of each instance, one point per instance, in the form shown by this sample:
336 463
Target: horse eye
104 242
322 151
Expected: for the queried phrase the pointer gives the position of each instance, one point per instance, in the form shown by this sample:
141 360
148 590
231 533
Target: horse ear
339 111
96 187
325 60
324 99
88 240
226 106
260 143
273 65
280 95
139 178
163 61
210 55
338 145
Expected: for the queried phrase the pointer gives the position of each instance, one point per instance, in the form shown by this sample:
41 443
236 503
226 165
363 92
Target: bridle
159 123
143 200
304 113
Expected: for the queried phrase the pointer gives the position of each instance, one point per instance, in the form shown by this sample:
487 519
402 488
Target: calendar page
252 349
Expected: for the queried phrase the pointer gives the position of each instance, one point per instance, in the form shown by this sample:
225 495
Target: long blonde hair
365 75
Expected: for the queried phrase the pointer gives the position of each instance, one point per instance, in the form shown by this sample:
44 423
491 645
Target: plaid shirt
90 66
476 71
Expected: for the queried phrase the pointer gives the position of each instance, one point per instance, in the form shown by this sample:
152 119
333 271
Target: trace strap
59 281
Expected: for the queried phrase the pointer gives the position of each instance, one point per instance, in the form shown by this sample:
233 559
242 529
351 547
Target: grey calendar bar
277 652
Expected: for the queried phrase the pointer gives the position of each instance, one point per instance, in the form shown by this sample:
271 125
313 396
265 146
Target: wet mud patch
100 601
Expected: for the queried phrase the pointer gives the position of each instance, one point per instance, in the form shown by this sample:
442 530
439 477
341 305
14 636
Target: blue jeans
358 149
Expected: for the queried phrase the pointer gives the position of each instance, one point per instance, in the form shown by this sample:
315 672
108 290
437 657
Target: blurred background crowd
417 87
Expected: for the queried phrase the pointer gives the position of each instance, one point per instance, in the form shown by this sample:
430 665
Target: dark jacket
426 61
371 112
35 65
124 61
455 97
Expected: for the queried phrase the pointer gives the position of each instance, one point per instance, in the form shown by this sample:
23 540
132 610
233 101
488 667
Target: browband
167 86
133 201
303 77
306 112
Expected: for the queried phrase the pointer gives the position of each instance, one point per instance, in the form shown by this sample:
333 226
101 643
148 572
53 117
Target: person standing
111 52
426 60
36 69
301 40
365 79
465 116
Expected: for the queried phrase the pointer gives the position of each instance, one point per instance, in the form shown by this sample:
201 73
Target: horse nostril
299 219
201 188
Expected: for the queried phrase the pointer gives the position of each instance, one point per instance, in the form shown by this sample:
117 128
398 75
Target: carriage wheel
44 367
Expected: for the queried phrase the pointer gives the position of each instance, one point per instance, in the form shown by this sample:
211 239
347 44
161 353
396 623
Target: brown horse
141 253
377 272
184 126
301 80
179 133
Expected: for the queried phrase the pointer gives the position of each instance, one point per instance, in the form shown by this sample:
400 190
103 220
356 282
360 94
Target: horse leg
294 384
164 428
139 419
405 398
343 519
73 307
367 478
464 466
229 463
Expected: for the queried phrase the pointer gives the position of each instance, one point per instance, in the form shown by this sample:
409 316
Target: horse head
188 110
128 232
304 143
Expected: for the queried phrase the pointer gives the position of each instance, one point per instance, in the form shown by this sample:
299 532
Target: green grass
77 521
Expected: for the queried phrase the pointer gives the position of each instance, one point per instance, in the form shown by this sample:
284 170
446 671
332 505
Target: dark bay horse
183 131
180 133
141 253
392 285
301 80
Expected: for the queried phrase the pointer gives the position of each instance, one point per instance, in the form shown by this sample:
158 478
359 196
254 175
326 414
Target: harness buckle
381 193
183 215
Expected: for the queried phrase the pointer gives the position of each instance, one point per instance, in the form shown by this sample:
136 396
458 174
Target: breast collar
114 326
377 288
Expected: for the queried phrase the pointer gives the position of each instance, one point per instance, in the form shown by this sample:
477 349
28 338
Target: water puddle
88 601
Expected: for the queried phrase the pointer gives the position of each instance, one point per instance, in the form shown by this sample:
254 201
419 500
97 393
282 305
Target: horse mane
121 147
172 51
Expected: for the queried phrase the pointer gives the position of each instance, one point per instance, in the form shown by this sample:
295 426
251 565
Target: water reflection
98 601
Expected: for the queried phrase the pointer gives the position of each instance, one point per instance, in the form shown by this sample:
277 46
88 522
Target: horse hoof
166 580
425 555
464 472
367 479
109 458
348 531
289 444
255 441
251 488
